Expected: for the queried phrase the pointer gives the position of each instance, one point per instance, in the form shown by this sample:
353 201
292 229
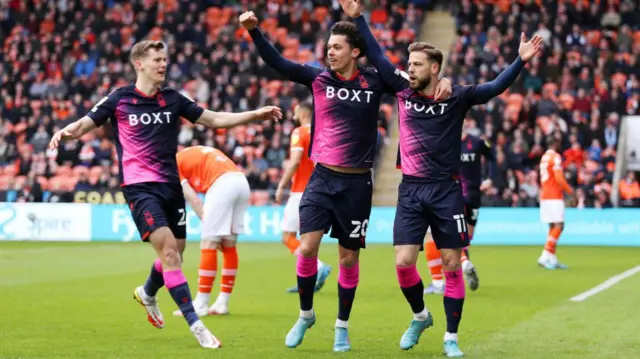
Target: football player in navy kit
146 121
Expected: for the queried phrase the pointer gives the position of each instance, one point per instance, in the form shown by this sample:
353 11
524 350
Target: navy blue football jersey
146 131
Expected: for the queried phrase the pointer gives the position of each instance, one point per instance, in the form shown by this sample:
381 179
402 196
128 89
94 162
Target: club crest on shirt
363 82
161 100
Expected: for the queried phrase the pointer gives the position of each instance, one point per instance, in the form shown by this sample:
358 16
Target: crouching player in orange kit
298 172
207 170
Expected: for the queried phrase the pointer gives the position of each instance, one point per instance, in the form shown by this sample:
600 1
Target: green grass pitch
73 300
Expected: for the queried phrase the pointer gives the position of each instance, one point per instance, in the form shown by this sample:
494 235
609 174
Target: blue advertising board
496 226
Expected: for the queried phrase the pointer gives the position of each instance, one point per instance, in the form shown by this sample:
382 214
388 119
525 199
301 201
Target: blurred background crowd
60 57
577 91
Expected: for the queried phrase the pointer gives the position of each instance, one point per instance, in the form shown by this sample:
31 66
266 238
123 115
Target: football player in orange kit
209 171
298 172
553 185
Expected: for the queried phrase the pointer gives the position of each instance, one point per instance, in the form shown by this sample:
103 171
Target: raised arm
482 93
394 78
293 71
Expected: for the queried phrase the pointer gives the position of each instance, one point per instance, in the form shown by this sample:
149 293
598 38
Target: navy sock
182 297
414 295
345 301
306 286
155 281
453 311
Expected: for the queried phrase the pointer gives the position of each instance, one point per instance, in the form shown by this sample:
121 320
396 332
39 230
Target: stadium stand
60 57
587 79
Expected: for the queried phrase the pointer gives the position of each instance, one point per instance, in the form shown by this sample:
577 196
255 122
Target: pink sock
408 276
157 264
454 284
349 277
173 278
306 267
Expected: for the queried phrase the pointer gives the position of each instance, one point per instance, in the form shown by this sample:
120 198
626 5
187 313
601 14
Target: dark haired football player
344 134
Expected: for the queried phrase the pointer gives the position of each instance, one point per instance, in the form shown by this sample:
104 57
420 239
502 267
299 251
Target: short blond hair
140 49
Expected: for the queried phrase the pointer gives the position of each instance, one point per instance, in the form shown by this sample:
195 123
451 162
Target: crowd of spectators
587 79
59 58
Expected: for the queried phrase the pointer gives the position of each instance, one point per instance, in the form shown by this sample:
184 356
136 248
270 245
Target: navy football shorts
438 205
340 202
154 205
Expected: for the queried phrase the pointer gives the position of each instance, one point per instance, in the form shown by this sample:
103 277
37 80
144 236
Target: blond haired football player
146 118
552 205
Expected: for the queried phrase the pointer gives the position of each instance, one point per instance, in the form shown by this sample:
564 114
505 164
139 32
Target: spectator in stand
577 92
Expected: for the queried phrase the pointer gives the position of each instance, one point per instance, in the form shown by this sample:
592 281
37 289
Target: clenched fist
249 20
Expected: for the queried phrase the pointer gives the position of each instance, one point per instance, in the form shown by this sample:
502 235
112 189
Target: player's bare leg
307 273
548 258
412 288
207 271
454 294
229 270
290 240
468 268
434 261
348 279
169 249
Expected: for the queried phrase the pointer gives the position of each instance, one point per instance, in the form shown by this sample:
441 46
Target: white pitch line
606 284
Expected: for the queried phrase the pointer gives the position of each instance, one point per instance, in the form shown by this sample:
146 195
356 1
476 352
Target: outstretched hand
353 8
529 49
272 113
58 137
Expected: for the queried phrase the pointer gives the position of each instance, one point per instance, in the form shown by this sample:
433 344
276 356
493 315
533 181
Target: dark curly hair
350 31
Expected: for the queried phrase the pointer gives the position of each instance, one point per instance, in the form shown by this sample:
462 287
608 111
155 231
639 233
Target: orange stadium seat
44 182
320 13
11 170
